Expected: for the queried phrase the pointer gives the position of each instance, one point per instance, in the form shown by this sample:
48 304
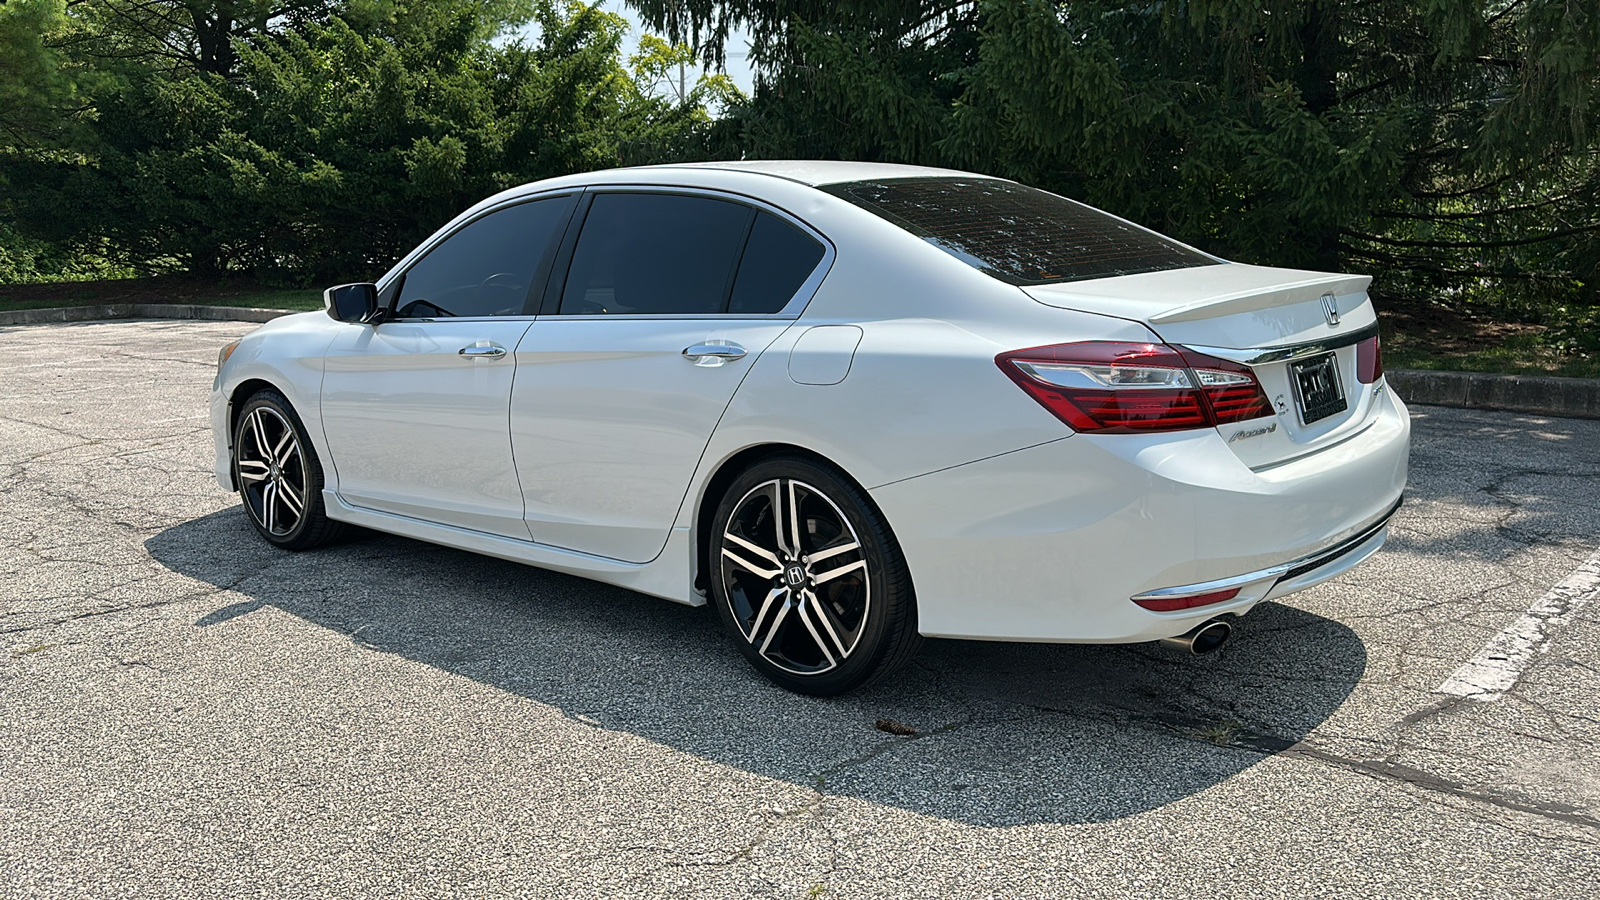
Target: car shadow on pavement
1006 733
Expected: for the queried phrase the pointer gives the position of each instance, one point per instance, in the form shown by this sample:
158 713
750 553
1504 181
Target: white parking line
1489 675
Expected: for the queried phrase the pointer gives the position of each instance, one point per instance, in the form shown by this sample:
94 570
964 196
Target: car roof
816 172
809 173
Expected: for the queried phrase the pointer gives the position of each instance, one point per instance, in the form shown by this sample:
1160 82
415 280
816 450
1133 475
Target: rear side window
778 258
1018 234
488 267
655 254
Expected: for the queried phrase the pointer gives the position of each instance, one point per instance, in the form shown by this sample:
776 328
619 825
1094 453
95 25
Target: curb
1546 395
139 311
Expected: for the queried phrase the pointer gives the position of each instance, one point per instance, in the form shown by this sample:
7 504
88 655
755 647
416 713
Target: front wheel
279 476
808 579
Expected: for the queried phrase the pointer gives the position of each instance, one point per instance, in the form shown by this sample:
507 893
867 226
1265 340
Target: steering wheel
508 288
413 310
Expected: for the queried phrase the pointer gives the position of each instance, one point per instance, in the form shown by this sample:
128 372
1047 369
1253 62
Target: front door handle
483 351
713 354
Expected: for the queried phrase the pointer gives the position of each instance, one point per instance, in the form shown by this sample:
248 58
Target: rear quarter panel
922 391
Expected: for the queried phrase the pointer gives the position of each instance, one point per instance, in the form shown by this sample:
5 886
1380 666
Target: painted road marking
1495 670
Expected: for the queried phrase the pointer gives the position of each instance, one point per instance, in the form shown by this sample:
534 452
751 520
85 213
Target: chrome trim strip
1208 587
1262 355
1298 566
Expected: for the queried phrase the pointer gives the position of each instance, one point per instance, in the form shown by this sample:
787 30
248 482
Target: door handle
713 354
482 351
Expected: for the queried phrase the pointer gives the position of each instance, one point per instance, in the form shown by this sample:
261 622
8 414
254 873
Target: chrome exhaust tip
1204 638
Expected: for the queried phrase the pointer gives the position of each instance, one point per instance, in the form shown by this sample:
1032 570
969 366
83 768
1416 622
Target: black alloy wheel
278 474
808 579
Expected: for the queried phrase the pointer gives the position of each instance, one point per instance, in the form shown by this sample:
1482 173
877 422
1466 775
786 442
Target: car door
415 408
667 300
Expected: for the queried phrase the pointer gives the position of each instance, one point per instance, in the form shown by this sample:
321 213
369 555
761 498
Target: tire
279 475
831 615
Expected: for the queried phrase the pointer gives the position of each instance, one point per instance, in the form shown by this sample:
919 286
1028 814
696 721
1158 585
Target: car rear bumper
1051 543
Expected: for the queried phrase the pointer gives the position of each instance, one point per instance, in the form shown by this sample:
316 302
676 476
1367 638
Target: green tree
1450 145
37 94
334 142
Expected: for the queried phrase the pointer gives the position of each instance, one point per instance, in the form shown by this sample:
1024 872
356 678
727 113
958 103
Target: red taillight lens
1231 388
1123 388
1173 604
1369 361
1112 387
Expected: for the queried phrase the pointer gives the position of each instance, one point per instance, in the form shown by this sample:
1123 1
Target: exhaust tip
1206 638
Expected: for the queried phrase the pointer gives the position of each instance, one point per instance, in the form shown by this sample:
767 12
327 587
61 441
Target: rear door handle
713 354
483 351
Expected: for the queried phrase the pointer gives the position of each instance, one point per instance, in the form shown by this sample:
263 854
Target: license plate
1317 389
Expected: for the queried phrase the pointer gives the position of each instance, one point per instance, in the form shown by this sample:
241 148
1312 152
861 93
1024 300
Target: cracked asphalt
188 712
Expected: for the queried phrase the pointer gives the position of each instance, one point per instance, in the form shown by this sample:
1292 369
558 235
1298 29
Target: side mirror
352 302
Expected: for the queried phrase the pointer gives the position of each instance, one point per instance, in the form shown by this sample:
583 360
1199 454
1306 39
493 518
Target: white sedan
847 404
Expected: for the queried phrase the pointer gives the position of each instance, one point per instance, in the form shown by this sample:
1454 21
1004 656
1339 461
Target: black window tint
654 254
777 260
1018 234
486 268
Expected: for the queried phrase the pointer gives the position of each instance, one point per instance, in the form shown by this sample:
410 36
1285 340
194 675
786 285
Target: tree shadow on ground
1486 486
1008 733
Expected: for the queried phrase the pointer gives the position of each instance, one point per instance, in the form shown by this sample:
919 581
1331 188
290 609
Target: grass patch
165 289
1222 733
1518 354
1463 338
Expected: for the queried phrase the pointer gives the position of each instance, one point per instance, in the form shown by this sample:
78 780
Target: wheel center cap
795 575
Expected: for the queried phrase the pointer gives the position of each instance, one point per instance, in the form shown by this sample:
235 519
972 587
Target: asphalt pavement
188 712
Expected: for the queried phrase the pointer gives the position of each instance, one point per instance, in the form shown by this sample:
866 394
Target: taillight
1369 361
1231 388
1109 387
1123 388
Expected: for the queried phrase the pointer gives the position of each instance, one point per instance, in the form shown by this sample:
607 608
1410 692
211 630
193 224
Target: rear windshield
1018 234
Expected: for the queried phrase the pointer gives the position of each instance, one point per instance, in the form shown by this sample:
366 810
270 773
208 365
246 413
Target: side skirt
667 576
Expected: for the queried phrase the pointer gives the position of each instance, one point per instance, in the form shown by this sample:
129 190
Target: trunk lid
1276 321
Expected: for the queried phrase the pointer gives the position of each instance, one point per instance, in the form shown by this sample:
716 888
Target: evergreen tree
1448 145
326 142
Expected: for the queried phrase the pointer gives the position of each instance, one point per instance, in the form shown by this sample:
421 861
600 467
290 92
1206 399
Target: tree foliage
1452 146
36 94
325 141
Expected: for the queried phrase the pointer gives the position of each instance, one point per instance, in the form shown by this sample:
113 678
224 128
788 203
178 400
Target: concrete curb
139 311
1577 398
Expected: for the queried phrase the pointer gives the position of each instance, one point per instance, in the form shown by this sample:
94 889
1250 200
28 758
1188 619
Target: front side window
1018 234
487 268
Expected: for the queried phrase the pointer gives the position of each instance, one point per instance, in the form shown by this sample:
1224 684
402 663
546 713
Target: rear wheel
808 579
279 476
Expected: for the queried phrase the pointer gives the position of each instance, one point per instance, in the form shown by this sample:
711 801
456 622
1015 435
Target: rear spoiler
1255 299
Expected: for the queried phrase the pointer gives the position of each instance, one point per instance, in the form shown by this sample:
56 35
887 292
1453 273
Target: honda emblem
1330 310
